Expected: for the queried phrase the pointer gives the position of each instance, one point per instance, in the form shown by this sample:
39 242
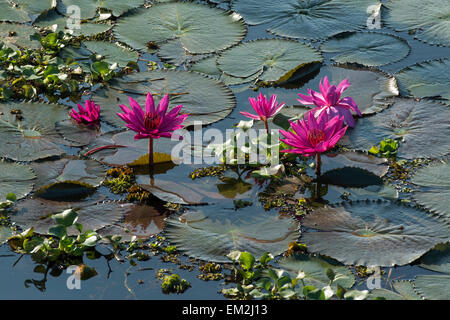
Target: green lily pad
431 24
375 165
195 231
404 290
337 194
372 90
414 123
437 259
5 233
33 135
277 59
112 52
18 35
316 19
16 178
78 135
426 80
435 188
89 7
36 7
315 271
10 13
366 48
204 99
373 233
173 52
200 28
433 287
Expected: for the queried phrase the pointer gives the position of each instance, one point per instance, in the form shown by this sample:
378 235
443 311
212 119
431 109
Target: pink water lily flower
264 109
311 136
329 100
89 115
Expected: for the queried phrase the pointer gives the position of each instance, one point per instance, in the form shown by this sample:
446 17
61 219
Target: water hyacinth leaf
18 36
426 80
35 7
203 98
89 7
367 49
200 28
431 24
433 287
33 135
112 52
371 90
437 259
413 123
404 290
373 233
277 59
195 231
86 171
306 19
315 271
435 188
10 13
17 178
38 213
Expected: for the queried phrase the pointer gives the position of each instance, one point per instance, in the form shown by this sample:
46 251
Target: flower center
152 120
316 136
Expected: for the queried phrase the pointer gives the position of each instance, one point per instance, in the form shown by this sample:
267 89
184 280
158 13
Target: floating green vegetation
122 179
174 284
208 171
387 148
211 271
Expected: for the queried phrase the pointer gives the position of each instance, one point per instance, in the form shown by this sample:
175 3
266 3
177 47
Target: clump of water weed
174 284
121 179
208 171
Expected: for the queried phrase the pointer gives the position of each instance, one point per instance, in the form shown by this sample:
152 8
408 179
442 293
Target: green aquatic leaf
16 36
200 28
315 19
277 59
373 233
195 231
413 123
437 259
36 7
336 194
10 13
431 24
433 287
172 52
17 178
435 188
5 233
111 52
89 7
375 165
366 48
404 290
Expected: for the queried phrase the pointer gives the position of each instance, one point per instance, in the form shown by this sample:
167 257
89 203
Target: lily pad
336 194
372 90
431 24
426 80
437 259
366 48
112 52
173 52
315 271
18 35
195 231
316 19
375 165
404 290
433 287
36 7
414 123
200 28
89 7
5 233
276 59
373 233
16 178
37 213
78 135
204 99
10 13
33 135
435 188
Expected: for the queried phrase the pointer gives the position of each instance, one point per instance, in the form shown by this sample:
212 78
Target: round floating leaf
112 52
229 230
404 291
10 13
277 59
433 287
203 98
200 28
435 182
77 134
375 165
5 233
417 124
33 135
36 7
437 259
426 79
16 178
86 29
18 35
173 52
89 7
336 194
373 233
306 19
367 49
37 213
431 24
315 270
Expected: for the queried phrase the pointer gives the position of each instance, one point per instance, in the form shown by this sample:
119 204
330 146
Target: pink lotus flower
89 115
313 136
329 100
153 123
264 109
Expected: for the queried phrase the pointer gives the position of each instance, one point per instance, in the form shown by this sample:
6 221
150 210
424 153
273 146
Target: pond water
214 197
